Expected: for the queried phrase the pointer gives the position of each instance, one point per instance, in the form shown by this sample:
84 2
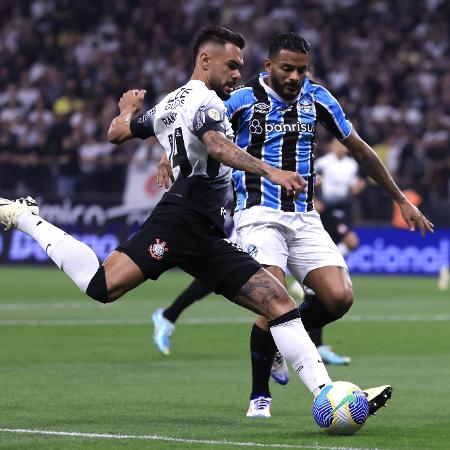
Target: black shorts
175 236
336 222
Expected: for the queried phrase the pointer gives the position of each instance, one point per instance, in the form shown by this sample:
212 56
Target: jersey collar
269 91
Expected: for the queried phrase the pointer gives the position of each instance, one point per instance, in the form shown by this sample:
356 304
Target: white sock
343 248
73 257
297 348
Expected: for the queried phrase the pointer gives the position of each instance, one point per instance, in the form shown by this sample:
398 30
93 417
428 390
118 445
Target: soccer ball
341 408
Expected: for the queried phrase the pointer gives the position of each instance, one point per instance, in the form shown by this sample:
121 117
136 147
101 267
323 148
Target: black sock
195 291
262 351
314 314
316 336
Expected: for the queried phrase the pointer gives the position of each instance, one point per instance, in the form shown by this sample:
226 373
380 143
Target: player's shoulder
315 88
243 92
201 93
242 97
319 92
198 97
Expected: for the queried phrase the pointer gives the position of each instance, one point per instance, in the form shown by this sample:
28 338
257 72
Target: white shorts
289 240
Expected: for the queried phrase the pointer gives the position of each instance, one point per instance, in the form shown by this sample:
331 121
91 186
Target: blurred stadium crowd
64 65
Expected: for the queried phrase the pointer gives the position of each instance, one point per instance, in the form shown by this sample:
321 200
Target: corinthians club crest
157 250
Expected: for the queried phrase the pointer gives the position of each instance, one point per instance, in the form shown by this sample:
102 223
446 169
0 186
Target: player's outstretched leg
75 258
102 283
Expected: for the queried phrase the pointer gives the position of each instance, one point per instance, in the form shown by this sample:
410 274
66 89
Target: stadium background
75 374
64 65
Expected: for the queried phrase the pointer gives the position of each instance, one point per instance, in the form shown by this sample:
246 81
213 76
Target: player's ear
204 60
267 63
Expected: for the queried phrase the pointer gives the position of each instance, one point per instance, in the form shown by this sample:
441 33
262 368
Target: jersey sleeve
239 100
331 115
143 126
210 116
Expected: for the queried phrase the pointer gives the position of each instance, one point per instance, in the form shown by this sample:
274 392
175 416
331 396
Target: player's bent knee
97 289
344 301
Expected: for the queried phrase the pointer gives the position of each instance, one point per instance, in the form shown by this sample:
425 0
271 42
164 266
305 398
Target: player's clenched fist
293 182
131 101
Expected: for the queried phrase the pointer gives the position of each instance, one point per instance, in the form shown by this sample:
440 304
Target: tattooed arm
224 151
372 165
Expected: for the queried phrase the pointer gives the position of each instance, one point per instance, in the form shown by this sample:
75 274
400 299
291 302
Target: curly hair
288 41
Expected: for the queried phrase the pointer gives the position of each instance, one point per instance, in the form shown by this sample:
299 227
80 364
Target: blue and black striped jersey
282 134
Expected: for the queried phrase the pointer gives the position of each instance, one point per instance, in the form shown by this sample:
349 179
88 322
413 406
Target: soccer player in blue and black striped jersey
274 118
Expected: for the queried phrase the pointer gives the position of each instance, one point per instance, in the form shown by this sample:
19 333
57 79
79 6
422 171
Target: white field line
210 321
156 437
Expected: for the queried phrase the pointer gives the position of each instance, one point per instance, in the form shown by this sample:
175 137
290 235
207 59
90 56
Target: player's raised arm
223 150
372 165
129 104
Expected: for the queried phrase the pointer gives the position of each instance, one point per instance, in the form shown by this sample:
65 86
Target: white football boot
260 407
378 397
11 209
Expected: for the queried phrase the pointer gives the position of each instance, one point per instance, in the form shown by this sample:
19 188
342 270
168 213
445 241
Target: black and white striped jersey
179 122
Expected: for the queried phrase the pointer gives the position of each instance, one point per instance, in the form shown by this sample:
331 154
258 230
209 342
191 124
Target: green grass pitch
75 374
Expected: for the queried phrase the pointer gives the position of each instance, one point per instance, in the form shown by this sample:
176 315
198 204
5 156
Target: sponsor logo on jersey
262 108
200 117
178 98
214 114
149 113
158 249
169 120
255 127
306 105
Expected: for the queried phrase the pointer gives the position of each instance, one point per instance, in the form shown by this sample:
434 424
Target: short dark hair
288 41
217 34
